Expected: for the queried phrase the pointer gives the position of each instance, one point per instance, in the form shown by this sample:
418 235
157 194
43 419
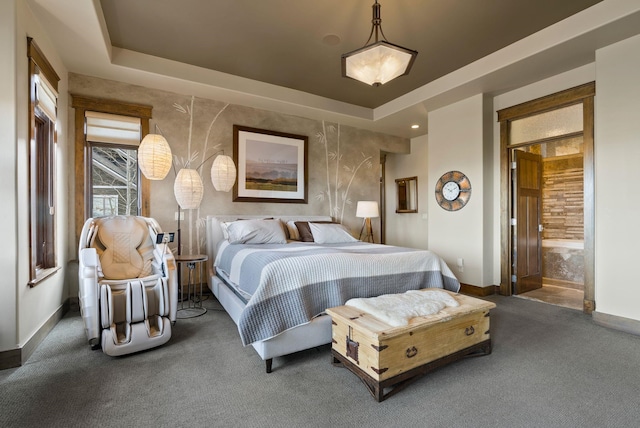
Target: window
114 179
107 135
104 205
113 168
43 84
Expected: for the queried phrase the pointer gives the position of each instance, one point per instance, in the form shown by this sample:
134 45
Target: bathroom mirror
407 190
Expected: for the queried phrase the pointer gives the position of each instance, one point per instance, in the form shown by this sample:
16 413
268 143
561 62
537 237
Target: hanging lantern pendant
379 62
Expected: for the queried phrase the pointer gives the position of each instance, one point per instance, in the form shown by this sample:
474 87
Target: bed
276 290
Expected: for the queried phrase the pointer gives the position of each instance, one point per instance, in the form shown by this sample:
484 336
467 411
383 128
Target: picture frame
272 166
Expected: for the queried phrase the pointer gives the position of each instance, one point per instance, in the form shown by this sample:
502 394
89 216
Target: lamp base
368 229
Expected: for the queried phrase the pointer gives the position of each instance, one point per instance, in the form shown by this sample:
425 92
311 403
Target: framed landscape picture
272 166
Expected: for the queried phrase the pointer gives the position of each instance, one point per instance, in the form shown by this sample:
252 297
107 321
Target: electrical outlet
460 264
181 213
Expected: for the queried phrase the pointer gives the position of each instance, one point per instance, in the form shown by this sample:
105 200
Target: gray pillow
256 232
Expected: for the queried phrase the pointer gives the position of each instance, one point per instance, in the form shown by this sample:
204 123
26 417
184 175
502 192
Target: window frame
82 104
42 171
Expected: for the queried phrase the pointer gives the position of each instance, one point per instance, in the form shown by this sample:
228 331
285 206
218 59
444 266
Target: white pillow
256 232
330 233
293 230
225 226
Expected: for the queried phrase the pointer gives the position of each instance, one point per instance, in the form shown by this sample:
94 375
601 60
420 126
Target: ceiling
284 55
298 44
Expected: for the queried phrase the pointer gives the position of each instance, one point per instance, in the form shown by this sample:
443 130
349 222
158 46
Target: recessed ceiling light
416 126
331 39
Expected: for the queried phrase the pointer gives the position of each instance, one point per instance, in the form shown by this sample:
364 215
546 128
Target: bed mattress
287 285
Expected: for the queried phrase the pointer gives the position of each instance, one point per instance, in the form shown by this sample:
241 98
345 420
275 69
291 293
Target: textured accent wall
563 197
343 166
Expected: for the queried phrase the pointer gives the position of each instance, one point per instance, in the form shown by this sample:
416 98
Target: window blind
46 97
112 128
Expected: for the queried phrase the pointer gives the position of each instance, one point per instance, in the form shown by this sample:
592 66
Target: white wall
488 167
8 257
23 310
37 304
408 229
616 149
464 136
617 172
456 143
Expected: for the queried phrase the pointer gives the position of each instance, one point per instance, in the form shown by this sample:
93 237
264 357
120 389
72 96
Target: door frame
583 94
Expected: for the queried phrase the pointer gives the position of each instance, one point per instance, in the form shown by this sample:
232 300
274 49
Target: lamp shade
367 209
154 157
188 189
378 63
223 173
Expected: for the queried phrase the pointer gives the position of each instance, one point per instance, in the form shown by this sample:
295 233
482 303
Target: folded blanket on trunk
397 309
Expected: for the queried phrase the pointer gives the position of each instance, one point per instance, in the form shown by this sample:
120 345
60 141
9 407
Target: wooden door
527 231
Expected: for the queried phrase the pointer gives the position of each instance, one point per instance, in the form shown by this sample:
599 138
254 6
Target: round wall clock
453 190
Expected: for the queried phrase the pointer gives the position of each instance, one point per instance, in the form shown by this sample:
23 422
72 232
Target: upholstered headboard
214 231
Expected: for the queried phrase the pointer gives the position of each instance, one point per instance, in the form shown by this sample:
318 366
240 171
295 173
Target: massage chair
128 288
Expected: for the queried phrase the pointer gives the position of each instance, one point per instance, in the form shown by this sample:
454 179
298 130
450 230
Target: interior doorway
547 205
549 248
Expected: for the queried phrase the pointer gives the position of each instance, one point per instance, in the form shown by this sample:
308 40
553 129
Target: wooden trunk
390 357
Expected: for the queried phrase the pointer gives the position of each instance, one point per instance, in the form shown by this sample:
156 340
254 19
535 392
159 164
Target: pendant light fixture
379 62
188 189
154 157
223 173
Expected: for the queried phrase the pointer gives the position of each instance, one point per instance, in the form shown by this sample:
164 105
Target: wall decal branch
186 163
338 198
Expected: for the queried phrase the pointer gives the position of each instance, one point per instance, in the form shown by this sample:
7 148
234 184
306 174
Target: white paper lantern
154 157
223 173
188 189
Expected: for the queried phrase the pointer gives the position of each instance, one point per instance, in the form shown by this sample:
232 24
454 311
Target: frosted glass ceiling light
379 62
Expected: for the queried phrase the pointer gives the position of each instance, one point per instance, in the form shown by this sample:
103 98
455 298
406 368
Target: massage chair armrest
171 273
88 292
88 257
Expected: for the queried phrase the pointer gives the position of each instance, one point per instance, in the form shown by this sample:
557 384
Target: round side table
194 265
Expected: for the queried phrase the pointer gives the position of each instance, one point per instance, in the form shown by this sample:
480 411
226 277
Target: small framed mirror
407 190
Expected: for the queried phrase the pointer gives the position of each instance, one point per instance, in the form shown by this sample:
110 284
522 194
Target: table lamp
367 210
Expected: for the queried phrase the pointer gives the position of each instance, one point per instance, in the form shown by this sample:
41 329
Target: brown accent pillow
305 231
